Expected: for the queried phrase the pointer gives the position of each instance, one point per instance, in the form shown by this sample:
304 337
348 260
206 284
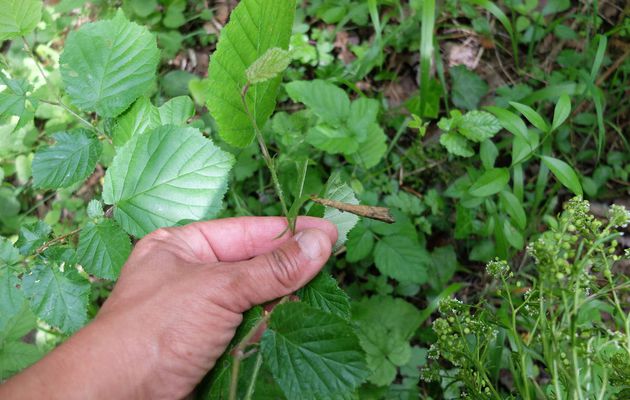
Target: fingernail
309 244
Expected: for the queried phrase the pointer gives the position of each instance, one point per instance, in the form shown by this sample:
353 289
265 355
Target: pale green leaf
177 111
271 64
95 209
396 315
478 126
165 176
107 65
58 297
363 115
402 259
323 293
32 236
103 249
70 160
19 17
15 356
488 153
255 26
456 144
337 190
14 100
11 302
312 354
327 101
385 350
332 139
9 255
510 121
372 150
561 111
140 117
532 116
491 182
564 173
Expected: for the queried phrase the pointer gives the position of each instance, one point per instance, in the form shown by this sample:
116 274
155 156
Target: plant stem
265 153
59 103
252 382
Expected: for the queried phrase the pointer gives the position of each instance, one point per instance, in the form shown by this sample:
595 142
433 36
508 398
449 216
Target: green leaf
9 255
360 243
107 65
402 259
491 182
19 17
140 117
177 111
362 117
324 294
32 236
456 144
561 112
11 303
95 209
70 160
338 190
385 350
532 116
467 89
164 176
514 208
331 139
509 121
478 125
312 354
58 297
255 26
488 153
396 315
14 100
512 235
15 356
271 64
372 150
103 249
564 173
16 320
327 101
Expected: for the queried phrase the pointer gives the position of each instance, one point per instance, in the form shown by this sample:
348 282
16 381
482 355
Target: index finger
241 238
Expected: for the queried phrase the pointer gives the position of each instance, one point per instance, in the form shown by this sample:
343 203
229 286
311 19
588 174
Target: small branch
377 213
58 239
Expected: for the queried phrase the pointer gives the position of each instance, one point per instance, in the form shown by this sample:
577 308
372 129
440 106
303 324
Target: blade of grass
505 21
426 51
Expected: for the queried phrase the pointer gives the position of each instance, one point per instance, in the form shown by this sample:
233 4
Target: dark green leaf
467 88
324 294
402 259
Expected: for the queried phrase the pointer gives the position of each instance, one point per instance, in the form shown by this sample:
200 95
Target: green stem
252 382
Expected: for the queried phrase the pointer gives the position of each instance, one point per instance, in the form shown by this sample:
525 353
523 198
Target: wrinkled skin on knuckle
284 268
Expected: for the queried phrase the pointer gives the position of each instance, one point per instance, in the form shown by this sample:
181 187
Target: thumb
283 270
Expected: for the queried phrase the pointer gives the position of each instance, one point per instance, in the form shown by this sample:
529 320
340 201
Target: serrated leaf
456 144
107 65
9 255
327 101
103 249
491 182
360 243
564 173
58 297
396 315
14 100
11 300
70 160
402 259
32 236
165 176
385 350
255 26
177 111
478 126
372 150
324 294
140 117
312 354
19 17
467 89
15 356
337 190
95 209
271 64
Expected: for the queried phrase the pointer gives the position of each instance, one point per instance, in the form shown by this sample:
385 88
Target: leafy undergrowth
480 125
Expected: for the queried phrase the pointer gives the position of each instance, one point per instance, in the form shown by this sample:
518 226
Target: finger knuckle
284 267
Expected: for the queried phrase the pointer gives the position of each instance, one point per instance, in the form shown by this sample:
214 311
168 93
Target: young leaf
402 259
509 121
176 111
71 160
324 294
478 125
19 17
360 243
561 112
271 64
140 117
106 65
312 354
491 182
58 297
164 176
9 255
532 116
338 190
32 236
255 26
103 249
456 144
14 100
514 208
327 101
372 150
564 173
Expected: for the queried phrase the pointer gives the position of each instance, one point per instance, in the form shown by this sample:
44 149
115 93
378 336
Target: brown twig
377 213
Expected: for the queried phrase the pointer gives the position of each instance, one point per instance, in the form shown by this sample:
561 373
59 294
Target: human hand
175 308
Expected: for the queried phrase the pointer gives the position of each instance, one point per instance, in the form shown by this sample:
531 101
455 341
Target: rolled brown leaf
372 212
